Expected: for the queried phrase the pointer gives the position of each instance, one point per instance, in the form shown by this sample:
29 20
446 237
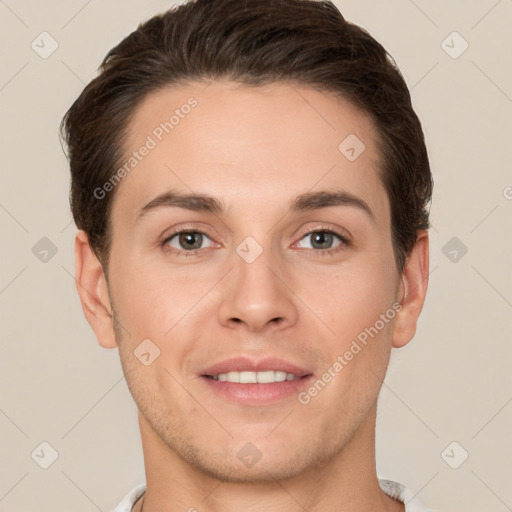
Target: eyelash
344 242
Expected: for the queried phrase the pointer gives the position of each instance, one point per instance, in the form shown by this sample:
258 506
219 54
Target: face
282 263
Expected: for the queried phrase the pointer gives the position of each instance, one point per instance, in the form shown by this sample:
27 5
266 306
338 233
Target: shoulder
398 491
129 500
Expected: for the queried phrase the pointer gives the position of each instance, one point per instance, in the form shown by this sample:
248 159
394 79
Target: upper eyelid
183 228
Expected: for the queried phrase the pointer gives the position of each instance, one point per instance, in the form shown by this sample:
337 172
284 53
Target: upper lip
246 364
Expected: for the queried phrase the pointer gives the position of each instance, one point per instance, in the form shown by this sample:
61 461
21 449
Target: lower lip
257 394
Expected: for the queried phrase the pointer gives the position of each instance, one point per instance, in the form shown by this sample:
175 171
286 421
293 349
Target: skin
256 150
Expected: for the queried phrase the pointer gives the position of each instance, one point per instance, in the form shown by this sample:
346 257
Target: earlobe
413 289
92 289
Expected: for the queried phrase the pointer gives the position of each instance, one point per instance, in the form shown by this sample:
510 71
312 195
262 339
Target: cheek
152 299
358 307
351 299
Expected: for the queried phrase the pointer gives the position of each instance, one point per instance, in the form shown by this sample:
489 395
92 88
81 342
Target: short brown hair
253 42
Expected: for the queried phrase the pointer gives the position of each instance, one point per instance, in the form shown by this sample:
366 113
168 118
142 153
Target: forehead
246 144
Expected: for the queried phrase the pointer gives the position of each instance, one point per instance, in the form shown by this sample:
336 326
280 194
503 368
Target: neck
347 482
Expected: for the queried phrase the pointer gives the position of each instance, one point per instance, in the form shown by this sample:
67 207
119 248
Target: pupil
322 239
187 240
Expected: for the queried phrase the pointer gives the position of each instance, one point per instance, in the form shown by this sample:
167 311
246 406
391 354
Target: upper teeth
255 377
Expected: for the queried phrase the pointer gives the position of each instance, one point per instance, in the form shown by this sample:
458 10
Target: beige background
452 383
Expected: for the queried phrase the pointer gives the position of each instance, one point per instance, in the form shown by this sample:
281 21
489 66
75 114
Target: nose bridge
257 295
256 264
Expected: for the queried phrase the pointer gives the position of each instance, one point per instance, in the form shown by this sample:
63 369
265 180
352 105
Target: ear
413 290
92 289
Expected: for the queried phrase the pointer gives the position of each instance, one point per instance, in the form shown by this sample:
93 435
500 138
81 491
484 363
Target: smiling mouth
256 388
248 377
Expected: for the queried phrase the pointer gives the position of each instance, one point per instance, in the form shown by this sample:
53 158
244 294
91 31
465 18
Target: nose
258 295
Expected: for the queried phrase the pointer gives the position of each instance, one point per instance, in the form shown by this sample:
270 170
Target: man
251 188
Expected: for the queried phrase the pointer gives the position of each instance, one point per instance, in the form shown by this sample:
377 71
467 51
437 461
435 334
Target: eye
187 241
324 240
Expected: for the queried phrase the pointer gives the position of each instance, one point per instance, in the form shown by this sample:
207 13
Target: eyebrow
209 204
